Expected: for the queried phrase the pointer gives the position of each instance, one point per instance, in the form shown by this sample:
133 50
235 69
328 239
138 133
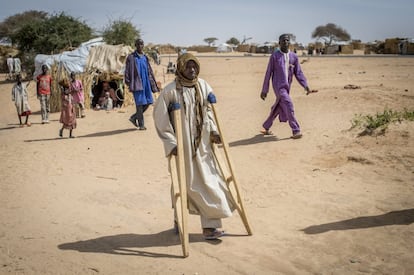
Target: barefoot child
20 98
67 113
76 89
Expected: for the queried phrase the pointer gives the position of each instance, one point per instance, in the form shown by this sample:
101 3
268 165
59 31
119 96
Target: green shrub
379 121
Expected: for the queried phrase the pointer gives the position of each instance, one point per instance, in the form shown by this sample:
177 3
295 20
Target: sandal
297 135
266 132
212 233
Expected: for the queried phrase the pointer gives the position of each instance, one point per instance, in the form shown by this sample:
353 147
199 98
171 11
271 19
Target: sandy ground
329 203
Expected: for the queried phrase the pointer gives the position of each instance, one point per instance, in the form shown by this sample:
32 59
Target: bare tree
245 39
330 33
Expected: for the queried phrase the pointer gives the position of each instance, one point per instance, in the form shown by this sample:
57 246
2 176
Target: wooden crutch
179 185
227 163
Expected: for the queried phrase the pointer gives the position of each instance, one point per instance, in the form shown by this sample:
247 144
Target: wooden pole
232 178
177 167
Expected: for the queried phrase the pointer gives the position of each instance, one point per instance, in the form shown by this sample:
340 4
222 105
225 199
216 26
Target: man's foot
212 233
266 132
297 135
71 136
21 125
28 124
61 132
133 121
142 128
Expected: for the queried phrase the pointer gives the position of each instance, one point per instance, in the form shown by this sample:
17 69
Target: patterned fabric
44 84
76 89
181 81
67 113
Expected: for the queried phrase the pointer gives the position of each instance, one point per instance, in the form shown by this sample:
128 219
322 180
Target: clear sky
189 22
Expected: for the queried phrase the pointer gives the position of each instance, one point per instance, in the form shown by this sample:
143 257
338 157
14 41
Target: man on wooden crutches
207 192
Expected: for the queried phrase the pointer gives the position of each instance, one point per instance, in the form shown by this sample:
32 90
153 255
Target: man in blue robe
140 80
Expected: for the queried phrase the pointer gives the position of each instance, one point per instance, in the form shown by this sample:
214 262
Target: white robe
20 98
207 192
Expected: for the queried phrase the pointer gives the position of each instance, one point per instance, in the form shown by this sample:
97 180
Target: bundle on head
64 83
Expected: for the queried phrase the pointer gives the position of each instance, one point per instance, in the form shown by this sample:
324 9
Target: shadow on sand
17 126
260 138
98 134
130 244
402 217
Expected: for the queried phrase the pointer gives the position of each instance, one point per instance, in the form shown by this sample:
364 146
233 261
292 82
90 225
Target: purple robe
283 106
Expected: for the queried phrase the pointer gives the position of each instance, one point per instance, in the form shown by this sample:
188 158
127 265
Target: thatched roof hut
107 63
93 62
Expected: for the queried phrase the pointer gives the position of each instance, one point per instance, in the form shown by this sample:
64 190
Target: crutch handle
211 98
174 106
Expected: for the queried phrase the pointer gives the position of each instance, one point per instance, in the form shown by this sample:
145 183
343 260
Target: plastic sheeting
73 61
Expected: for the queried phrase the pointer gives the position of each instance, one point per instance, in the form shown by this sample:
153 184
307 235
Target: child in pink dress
67 113
76 89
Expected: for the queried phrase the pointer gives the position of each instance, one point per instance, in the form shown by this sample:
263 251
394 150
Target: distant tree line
37 32
328 33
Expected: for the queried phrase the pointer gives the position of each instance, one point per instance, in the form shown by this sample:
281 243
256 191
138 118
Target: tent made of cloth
92 62
224 47
108 59
107 63
72 61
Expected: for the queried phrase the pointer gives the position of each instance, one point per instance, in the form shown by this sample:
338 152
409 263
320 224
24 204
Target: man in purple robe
283 64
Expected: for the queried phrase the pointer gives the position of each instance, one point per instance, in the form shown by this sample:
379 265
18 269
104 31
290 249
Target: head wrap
181 81
181 65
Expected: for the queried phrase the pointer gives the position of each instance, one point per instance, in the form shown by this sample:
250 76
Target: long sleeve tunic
282 80
206 188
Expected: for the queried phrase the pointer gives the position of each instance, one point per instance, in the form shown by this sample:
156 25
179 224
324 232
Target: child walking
76 89
67 113
21 100
44 89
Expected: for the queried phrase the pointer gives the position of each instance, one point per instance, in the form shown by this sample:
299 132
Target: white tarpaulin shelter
91 56
93 61
72 61
224 48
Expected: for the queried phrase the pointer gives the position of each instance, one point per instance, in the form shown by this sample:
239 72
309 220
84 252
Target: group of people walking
72 99
206 188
